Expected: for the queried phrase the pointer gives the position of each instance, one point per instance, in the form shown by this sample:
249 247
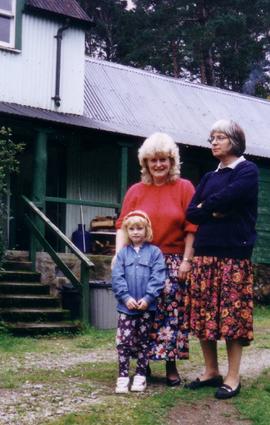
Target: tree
216 42
109 15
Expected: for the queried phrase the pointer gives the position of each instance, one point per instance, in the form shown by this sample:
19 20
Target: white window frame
11 15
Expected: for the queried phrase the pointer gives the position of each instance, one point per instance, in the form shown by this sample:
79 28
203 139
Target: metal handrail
86 264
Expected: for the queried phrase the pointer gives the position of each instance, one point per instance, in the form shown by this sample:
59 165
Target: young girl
138 277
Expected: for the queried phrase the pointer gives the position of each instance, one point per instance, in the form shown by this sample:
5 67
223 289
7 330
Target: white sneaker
139 383
122 385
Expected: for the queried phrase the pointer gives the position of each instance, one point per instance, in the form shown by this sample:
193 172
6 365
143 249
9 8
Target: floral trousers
132 340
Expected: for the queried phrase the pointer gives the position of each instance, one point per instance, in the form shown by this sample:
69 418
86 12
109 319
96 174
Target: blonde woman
164 196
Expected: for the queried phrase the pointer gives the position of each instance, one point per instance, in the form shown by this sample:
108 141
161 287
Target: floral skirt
169 333
221 299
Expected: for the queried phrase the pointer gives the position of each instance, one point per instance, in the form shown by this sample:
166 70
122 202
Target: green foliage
109 18
216 42
8 165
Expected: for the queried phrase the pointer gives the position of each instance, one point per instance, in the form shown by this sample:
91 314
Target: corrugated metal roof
66 8
28 112
133 102
137 102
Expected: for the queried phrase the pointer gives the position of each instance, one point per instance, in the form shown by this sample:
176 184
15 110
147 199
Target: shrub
8 164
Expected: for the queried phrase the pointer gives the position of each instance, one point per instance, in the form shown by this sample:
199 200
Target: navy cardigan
228 213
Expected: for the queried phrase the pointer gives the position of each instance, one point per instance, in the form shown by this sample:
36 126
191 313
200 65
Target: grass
134 409
261 325
143 409
254 403
89 339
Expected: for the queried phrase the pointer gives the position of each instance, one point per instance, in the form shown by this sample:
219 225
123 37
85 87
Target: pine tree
102 41
221 43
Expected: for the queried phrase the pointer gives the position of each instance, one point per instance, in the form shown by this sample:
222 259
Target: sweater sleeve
157 277
119 283
194 214
239 190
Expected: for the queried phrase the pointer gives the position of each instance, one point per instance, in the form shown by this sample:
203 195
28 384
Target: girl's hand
142 304
132 304
184 268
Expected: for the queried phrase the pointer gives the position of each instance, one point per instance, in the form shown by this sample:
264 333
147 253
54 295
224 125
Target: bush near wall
8 165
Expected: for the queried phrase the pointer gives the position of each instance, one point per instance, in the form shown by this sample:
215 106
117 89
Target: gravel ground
34 404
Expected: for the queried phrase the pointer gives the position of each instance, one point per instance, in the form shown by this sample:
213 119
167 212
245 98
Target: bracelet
187 260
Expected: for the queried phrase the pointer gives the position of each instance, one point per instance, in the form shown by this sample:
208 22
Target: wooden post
39 186
123 170
85 300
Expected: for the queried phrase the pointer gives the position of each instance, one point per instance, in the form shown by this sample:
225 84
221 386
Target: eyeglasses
217 138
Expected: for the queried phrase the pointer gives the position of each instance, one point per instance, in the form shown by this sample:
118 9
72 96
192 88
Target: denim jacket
138 275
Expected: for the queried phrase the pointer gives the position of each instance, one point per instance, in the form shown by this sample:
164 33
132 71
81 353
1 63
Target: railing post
33 251
85 301
123 169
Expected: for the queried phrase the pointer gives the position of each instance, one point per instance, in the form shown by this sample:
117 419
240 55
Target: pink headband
135 214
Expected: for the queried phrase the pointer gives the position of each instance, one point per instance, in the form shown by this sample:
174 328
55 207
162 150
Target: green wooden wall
261 252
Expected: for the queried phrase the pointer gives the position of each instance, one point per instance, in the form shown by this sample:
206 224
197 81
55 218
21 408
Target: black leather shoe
148 371
212 382
173 382
225 391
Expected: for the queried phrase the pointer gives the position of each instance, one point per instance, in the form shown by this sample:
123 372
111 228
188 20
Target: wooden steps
26 306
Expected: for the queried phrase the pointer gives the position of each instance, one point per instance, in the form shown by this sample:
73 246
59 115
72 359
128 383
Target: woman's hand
132 304
142 304
184 268
218 215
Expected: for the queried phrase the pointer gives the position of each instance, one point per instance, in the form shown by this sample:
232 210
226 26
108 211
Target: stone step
33 314
45 328
19 276
26 306
17 265
24 288
25 301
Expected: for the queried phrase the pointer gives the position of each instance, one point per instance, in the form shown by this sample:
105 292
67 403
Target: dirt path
32 404
209 412
217 412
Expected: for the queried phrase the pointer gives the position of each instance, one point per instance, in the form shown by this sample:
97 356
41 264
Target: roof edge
83 21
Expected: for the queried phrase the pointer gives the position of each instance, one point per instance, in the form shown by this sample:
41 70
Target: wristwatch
187 260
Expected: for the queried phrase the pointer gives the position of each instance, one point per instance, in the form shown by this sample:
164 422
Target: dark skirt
169 334
221 299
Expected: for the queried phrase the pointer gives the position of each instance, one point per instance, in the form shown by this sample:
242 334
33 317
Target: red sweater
166 206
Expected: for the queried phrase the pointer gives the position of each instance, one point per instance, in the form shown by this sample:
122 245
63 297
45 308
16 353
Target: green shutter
18 24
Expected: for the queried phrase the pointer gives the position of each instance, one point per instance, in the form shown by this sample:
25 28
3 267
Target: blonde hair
137 217
159 144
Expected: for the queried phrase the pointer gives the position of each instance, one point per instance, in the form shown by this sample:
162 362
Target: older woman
164 197
225 208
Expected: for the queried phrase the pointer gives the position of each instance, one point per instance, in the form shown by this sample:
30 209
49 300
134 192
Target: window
7 23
